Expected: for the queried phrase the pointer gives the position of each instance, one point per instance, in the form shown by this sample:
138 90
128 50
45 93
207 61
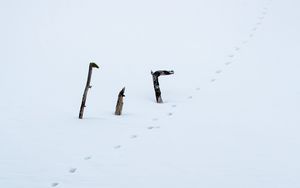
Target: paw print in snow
72 170
54 184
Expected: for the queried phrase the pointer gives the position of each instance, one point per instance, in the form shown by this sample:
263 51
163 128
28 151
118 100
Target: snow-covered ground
231 112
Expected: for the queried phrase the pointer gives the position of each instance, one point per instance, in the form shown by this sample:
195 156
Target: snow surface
231 112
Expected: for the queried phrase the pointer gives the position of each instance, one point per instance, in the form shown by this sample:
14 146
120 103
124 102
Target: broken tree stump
87 87
155 76
119 106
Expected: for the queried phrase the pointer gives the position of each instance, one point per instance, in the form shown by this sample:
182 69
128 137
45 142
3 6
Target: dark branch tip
94 65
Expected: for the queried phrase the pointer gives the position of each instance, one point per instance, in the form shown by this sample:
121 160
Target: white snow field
230 117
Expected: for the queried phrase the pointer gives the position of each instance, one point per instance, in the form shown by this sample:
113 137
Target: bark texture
155 76
87 87
120 102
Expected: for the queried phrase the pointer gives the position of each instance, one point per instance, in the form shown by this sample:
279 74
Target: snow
230 116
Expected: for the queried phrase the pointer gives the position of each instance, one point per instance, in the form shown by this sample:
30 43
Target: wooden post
87 87
155 76
120 102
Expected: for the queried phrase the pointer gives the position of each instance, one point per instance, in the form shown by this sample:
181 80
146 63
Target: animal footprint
245 42
152 127
213 80
72 170
237 48
133 136
228 63
190 97
170 114
117 147
218 71
155 119
254 29
198 88
87 158
231 56
54 184
174 106
251 35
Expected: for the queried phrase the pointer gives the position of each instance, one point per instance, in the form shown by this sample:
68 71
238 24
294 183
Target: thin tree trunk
155 76
87 87
119 106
